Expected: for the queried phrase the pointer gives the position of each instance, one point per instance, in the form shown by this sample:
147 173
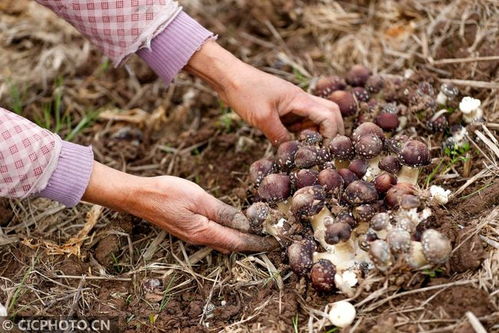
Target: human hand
178 206
263 100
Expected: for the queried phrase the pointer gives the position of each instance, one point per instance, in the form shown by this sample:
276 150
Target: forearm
112 188
216 66
34 161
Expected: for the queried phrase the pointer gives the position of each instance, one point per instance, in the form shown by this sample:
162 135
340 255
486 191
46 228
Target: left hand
261 99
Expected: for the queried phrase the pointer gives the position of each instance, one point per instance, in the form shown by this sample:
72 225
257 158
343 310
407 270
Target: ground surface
138 125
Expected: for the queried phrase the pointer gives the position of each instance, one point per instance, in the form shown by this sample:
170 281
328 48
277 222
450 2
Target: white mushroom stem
408 175
344 255
438 114
284 207
441 98
415 257
372 170
473 116
275 228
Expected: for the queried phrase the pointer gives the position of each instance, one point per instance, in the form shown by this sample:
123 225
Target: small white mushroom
342 314
439 195
346 281
470 107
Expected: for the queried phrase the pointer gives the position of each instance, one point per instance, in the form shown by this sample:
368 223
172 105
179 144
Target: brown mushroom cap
347 218
390 108
300 256
348 176
368 146
337 232
379 251
358 75
322 275
326 85
341 147
305 177
449 90
259 169
394 194
360 192
306 157
285 155
380 221
390 164
360 94
396 143
387 121
399 240
310 137
257 213
409 201
331 180
367 128
436 247
359 167
346 102
308 201
384 181
415 153
438 124
374 84
275 187
365 212
425 88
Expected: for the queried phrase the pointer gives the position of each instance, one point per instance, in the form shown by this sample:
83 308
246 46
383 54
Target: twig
153 247
475 323
461 60
77 277
471 83
410 292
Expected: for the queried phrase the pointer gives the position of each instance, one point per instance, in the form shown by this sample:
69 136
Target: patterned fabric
28 156
117 27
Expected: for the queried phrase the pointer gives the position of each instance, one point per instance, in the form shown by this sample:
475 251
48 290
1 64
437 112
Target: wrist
216 66
112 188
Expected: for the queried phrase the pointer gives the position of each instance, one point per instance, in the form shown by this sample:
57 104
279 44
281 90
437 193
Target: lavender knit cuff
71 176
171 50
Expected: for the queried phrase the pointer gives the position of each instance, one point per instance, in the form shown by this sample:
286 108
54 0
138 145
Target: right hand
265 101
178 206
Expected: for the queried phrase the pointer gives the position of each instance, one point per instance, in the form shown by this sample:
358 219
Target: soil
5 212
456 301
483 201
470 254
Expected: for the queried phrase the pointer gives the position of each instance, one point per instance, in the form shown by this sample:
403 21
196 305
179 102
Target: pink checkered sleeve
36 161
118 27
28 155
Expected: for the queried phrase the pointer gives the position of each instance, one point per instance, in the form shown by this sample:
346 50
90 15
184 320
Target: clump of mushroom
347 205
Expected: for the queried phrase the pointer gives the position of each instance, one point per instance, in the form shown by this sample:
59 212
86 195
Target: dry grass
44 59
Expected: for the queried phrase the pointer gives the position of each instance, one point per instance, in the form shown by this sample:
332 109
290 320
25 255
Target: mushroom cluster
346 205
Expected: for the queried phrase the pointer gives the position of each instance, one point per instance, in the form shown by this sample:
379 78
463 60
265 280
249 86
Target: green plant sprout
453 156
